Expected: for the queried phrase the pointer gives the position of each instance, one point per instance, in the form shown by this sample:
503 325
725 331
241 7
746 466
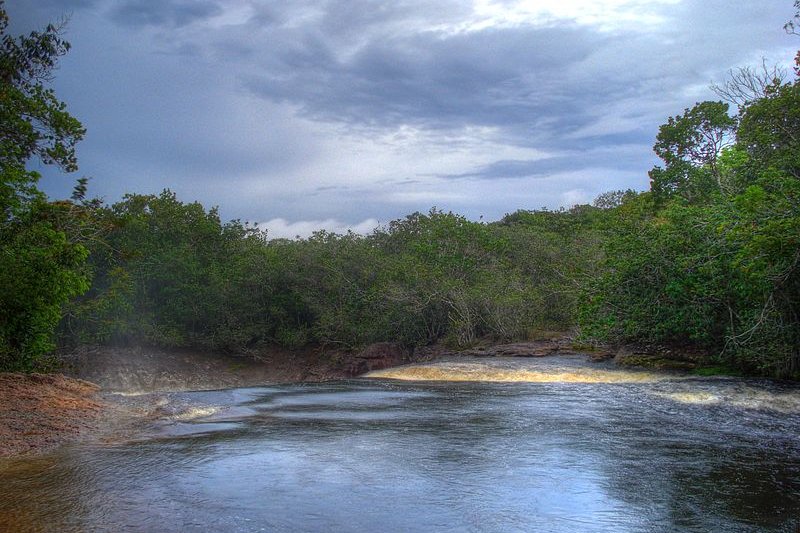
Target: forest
707 259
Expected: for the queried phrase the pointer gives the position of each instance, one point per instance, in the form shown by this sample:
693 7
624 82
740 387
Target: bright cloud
636 15
279 228
318 115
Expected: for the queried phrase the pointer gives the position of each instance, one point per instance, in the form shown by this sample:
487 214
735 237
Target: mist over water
578 451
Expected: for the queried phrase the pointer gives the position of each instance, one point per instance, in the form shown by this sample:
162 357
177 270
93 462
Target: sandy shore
39 412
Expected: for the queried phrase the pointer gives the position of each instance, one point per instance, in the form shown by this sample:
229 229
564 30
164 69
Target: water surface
636 453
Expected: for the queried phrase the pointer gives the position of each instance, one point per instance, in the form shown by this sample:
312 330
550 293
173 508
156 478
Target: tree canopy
708 258
40 261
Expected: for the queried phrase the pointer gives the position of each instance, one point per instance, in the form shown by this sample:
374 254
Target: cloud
574 197
544 72
350 110
568 78
608 15
169 13
622 157
279 228
487 78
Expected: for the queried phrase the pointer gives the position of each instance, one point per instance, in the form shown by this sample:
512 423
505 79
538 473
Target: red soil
39 412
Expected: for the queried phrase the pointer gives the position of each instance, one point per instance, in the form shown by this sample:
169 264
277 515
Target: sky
345 114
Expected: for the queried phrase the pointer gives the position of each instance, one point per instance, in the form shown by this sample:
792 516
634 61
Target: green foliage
711 259
164 275
41 255
555 252
770 129
40 269
35 122
171 274
659 281
612 199
690 145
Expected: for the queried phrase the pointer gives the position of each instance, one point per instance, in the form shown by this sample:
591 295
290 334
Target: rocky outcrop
541 348
377 357
536 348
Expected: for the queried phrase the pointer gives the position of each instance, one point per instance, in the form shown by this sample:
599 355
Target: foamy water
736 395
487 372
196 412
677 387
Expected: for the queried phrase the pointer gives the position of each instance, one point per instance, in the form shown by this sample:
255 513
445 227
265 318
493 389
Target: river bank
108 390
39 412
554 443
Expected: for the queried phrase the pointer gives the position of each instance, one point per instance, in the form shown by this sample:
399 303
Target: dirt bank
39 412
140 370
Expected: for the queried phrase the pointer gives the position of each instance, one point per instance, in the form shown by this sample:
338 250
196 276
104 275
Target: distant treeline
708 258
172 274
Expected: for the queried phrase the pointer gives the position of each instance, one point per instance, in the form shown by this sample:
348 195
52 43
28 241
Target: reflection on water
653 453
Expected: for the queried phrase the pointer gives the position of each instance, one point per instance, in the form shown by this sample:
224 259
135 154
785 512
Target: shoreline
41 412
107 392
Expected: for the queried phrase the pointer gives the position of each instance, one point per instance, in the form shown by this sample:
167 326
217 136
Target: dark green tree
690 146
41 262
714 259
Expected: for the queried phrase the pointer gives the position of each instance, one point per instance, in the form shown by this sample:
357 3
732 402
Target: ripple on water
593 449
733 394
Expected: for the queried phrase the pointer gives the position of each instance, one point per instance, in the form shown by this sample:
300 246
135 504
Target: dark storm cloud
64 5
170 13
256 104
486 78
538 86
521 168
27 15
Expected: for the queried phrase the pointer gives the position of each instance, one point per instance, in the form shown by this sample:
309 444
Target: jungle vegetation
709 257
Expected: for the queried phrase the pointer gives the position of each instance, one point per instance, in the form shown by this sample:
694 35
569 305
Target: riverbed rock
377 357
539 348
664 360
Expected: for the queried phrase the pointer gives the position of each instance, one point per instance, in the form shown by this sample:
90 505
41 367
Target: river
548 445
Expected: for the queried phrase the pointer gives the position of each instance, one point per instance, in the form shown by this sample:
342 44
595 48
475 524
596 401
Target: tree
41 263
715 260
748 84
612 199
767 231
770 130
690 146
